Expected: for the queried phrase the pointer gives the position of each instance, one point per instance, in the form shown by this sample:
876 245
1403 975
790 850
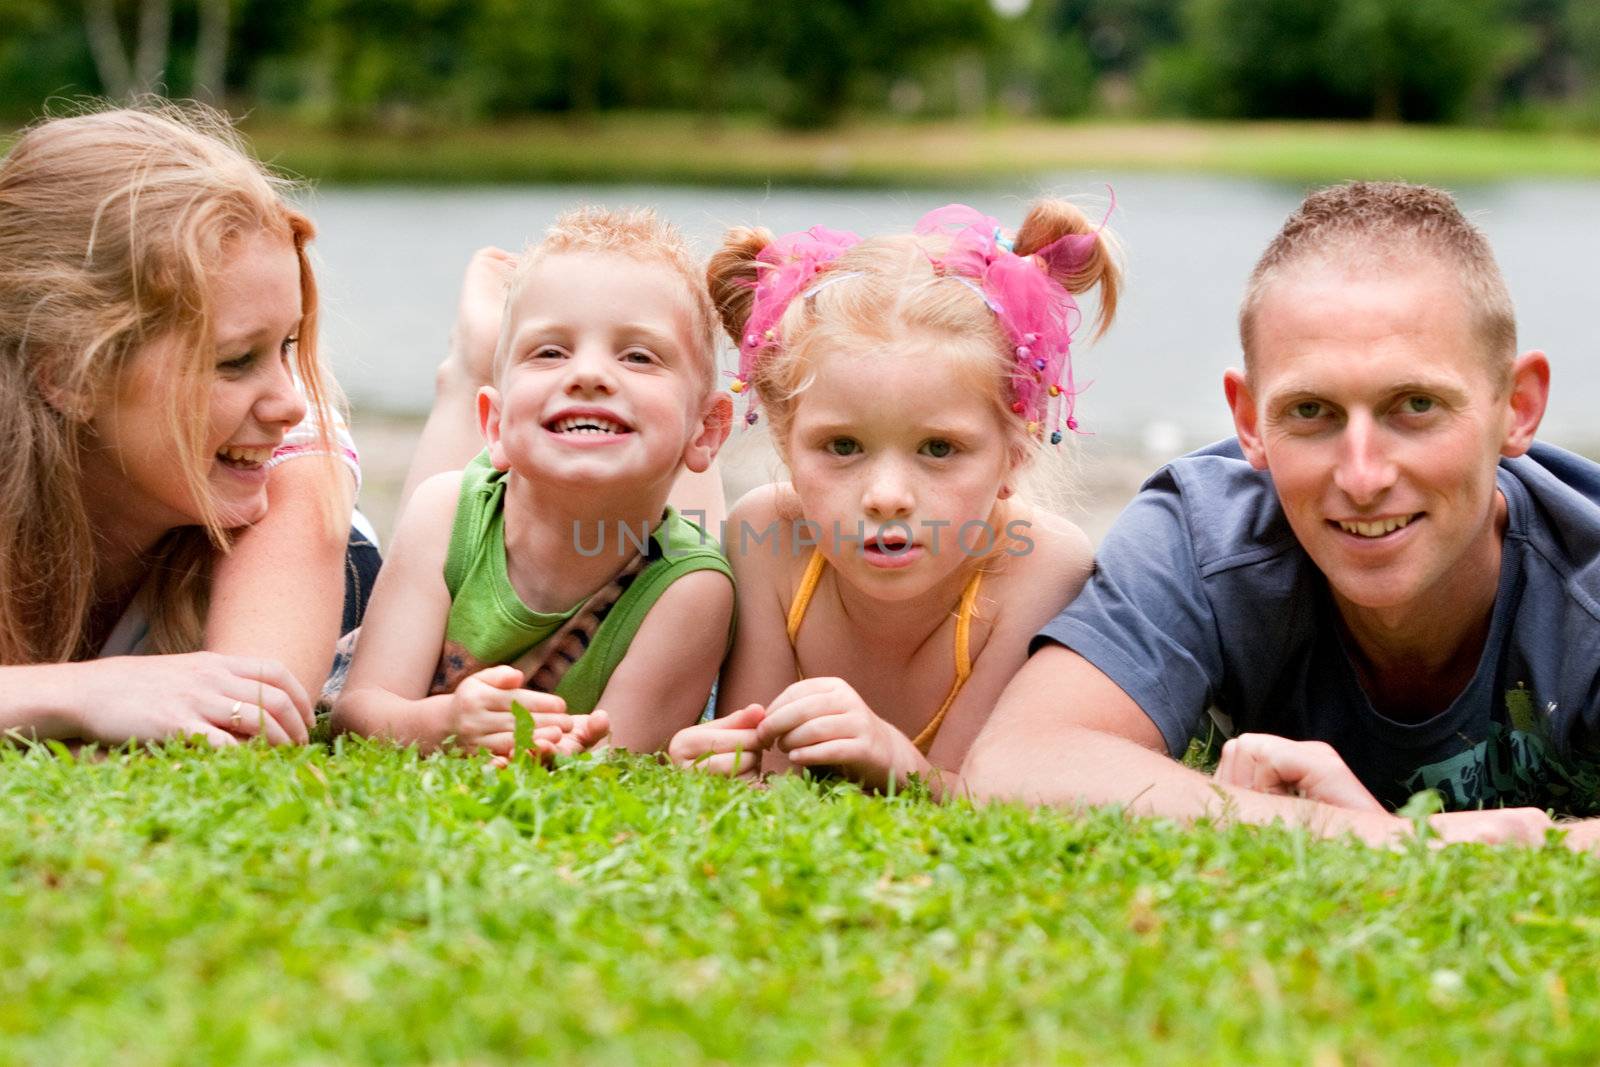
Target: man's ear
716 422
489 426
1246 419
1530 391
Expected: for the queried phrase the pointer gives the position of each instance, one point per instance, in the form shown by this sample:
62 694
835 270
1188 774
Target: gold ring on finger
236 715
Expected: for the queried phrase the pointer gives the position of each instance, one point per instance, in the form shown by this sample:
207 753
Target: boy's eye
638 355
1418 405
938 448
842 446
545 352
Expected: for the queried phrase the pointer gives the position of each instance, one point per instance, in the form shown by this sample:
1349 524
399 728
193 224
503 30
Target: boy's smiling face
601 380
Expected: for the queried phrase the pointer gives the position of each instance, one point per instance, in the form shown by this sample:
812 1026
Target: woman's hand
824 722
480 713
1311 769
727 746
479 310
225 699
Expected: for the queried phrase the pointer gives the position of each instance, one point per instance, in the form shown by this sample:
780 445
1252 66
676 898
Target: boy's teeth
1374 529
586 424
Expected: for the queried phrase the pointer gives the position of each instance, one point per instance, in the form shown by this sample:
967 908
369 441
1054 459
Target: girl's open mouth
236 457
891 550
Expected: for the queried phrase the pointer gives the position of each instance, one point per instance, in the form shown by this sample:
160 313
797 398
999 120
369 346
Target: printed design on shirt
1517 764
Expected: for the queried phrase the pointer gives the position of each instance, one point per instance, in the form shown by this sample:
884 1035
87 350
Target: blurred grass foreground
259 906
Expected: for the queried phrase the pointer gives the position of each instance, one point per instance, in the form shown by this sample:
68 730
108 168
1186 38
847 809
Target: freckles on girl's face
902 446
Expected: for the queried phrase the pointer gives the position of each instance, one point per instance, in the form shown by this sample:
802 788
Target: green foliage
365 905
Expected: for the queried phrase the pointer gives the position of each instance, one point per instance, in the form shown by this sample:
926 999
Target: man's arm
1065 734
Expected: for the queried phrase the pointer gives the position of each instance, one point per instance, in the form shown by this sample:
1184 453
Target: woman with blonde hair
164 571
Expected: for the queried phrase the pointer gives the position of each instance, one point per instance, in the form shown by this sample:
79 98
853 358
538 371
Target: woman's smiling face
136 455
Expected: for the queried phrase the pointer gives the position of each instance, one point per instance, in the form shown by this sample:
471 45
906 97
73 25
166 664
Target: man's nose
1365 470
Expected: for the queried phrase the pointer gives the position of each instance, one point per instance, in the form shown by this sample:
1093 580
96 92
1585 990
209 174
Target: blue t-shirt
1202 598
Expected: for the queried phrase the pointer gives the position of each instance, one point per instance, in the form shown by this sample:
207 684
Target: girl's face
135 465
898 456
602 383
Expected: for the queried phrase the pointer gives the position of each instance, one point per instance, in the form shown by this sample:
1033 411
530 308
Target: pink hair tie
1037 312
786 267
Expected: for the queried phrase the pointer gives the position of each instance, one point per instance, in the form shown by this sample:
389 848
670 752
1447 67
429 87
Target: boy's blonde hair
897 289
638 233
1383 225
111 225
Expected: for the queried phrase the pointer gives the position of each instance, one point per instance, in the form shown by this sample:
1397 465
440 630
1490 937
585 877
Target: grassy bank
684 149
272 907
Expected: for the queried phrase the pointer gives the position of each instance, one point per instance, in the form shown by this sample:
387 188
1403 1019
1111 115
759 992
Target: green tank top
489 624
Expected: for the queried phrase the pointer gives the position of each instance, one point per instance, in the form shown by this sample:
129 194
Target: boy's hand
824 722
480 712
586 731
727 746
1311 769
478 313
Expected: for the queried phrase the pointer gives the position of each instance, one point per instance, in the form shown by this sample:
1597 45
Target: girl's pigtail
1050 220
731 277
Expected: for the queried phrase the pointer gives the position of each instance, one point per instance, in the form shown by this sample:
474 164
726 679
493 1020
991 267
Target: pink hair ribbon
786 266
1038 314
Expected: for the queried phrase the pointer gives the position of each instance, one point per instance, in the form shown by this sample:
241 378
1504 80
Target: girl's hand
478 314
824 722
1267 763
480 712
727 746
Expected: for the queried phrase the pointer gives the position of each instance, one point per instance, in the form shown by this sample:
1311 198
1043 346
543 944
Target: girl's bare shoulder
759 539
1046 566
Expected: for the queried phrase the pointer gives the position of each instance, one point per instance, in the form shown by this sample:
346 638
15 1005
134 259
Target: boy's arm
386 693
662 683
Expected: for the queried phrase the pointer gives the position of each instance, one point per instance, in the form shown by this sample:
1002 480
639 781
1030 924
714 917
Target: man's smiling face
1381 417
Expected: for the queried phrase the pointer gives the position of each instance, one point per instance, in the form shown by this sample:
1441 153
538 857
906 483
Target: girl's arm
762 662
661 685
386 692
279 594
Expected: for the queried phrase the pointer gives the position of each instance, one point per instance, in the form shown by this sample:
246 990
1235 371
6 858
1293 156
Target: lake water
392 259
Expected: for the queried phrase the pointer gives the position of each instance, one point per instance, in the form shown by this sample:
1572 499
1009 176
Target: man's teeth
253 456
1374 529
587 424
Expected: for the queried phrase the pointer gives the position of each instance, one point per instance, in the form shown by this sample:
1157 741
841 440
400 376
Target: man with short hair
1383 583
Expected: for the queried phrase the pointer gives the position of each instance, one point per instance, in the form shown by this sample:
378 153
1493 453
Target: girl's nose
281 403
888 493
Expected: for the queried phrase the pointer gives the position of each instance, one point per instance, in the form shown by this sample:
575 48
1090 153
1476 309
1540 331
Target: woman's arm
279 594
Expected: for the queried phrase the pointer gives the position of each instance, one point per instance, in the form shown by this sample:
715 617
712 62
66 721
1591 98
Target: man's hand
1267 763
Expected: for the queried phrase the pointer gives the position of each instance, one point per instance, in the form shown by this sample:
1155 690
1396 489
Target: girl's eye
238 364
938 448
286 350
1418 405
842 446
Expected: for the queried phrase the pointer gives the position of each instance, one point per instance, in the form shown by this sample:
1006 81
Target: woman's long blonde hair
111 223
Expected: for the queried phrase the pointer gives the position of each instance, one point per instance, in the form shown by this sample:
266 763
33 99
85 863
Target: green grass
259 906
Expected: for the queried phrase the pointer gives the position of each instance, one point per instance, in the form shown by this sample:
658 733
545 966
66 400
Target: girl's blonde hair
896 288
111 224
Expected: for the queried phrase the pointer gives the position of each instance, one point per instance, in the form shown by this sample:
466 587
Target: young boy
551 571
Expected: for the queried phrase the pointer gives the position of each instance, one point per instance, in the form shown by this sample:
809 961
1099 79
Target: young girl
889 592
551 571
158 372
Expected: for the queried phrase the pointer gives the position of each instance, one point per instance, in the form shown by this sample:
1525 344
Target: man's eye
938 448
1306 409
1418 405
842 446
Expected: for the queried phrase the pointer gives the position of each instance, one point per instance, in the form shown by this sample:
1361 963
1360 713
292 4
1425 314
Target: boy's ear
489 426
716 422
